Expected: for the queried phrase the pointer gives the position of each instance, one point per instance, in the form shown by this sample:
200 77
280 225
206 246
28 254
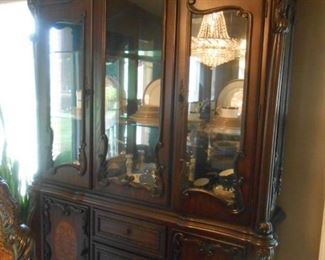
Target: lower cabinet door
101 252
191 247
65 230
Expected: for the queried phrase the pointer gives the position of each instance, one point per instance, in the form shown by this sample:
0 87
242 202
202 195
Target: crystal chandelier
213 46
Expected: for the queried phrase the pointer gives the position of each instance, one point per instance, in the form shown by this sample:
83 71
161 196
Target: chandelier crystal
213 46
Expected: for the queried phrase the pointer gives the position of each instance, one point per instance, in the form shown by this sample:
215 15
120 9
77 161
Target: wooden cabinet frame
187 216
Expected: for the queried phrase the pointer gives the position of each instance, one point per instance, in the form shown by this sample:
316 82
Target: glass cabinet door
215 104
211 122
133 66
66 46
132 99
63 68
66 92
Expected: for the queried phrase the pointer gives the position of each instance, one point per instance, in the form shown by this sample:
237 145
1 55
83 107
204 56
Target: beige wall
302 195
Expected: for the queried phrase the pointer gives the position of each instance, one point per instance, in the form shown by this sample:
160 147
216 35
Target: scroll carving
193 7
17 236
81 167
235 203
265 228
230 194
264 253
282 16
177 245
205 247
191 2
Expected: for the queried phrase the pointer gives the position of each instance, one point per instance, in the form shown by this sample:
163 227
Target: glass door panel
66 92
133 67
215 105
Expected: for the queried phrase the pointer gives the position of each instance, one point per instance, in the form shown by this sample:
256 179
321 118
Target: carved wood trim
264 253
282 16
288 13
265 228
206 248
281 22
192 7
236 205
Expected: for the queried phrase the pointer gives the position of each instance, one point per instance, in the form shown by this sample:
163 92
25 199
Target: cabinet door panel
133 93
64 53
217 106
65 232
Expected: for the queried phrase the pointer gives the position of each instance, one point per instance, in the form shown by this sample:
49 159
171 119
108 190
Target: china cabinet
160 127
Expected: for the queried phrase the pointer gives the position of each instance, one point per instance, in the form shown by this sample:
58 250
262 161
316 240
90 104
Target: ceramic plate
151 94
232 95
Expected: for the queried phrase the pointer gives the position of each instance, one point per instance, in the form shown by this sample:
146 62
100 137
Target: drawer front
133 234
101 252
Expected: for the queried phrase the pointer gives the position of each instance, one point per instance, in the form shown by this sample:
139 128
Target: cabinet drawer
101 252
130 233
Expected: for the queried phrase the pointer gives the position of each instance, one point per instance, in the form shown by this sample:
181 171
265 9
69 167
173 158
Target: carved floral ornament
205 247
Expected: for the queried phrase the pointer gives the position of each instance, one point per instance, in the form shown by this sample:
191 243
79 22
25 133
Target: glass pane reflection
65 92
215 101
132 88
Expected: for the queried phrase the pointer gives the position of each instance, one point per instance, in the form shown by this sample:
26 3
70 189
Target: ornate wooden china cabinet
160 127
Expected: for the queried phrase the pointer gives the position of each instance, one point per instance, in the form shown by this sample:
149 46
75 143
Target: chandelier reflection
213 46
